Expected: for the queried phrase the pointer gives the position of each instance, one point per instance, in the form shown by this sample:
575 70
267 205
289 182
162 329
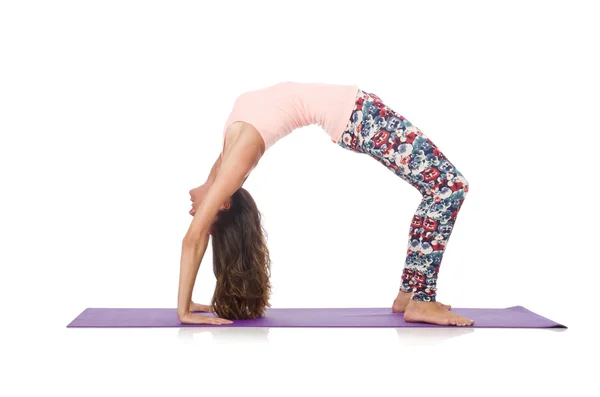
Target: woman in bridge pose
355 120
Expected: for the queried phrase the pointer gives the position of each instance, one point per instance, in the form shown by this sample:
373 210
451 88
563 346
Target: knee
462 183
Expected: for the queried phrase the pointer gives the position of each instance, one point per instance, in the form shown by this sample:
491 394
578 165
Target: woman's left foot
401 301
429 312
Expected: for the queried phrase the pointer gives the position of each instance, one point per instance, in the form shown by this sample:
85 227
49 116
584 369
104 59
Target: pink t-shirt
277 110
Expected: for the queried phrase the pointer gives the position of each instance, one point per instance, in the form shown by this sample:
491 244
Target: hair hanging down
241 261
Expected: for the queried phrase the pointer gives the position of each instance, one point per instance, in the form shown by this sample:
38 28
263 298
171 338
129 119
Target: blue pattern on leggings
376 130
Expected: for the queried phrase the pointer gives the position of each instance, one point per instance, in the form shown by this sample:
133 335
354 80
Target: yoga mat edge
510 317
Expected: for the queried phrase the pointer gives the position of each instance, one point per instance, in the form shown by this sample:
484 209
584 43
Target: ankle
420 305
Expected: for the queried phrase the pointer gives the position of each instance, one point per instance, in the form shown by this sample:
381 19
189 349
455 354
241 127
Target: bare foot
430 312
402 300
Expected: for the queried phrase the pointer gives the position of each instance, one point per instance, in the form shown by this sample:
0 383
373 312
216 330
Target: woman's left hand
196 307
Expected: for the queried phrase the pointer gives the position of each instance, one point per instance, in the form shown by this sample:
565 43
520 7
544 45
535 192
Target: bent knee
462 182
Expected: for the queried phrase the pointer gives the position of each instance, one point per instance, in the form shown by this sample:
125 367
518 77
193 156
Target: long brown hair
241 261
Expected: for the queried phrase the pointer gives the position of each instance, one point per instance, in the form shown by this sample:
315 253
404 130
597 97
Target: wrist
181 313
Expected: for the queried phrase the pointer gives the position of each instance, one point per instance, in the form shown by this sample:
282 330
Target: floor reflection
413 336
430 336
433 336
227 334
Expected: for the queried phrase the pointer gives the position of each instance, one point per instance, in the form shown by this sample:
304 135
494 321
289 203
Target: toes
457 320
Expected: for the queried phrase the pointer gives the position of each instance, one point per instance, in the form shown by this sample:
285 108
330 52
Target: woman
356 121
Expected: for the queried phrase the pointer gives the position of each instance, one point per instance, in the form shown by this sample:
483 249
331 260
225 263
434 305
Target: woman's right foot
432 313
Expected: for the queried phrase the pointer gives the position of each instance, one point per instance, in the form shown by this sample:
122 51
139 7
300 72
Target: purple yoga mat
512 317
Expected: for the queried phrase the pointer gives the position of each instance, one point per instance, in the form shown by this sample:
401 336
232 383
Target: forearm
213 172
191 256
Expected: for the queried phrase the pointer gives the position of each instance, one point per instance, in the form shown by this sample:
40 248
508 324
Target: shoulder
242 139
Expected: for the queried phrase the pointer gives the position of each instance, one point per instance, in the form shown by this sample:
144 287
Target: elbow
189 241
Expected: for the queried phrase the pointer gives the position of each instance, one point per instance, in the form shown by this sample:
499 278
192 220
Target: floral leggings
389 138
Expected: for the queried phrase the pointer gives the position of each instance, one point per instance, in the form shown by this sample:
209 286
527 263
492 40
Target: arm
190 255
230 177
200 192
213 172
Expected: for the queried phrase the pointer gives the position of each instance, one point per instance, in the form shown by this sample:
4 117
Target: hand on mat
190 318
196 307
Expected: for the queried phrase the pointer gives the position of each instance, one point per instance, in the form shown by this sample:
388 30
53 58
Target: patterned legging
385 135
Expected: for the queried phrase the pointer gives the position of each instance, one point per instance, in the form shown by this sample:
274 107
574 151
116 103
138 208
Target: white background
111 111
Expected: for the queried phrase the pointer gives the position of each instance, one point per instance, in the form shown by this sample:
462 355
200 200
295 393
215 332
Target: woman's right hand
190 318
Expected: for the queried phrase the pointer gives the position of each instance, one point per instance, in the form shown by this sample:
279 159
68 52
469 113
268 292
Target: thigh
387 136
